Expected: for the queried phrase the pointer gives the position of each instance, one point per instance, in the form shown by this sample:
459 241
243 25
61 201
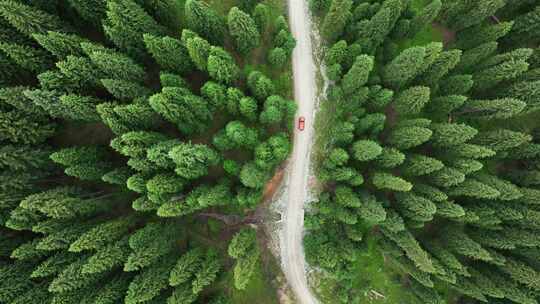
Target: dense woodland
121 121
434 149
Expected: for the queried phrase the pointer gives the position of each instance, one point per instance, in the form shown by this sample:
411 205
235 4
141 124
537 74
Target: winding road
292 250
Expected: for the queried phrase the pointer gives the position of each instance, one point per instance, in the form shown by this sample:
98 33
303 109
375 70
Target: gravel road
292 250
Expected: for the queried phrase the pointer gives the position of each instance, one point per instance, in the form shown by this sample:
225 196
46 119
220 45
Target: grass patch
374 281
261 289
427 35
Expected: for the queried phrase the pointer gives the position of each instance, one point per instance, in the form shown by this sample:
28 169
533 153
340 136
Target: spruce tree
202 19
126 22
244 30
336 19
170 53
30 20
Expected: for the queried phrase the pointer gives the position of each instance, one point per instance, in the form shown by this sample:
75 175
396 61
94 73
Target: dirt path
292 250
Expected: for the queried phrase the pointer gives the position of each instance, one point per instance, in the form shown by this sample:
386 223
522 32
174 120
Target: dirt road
292 250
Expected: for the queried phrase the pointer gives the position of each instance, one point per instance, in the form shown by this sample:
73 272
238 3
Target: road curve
292 249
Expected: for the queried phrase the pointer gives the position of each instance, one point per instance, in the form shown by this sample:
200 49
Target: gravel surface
297 193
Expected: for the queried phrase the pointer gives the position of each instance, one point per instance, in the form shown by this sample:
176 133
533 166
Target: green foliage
386 181
177 105
30 20
409 137
425 17
244 30
244 249
169 53
126 21
412 100
192 160
202 19
365 150
357 75
60 44
221 66
198 50
336 19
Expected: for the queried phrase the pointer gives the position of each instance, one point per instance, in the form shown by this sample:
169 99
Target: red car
301 123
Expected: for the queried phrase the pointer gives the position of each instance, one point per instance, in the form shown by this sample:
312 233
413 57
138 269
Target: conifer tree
92 11
479 35
336 19
412 100
386 181
381 24
199 50
409 137
192 161
170 53
221 66
404 67
126 22
244 30
365 150
177 105
149 283
357 75
30 20
204 20
425 17
28 58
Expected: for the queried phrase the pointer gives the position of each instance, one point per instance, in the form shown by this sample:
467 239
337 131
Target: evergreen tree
126 22
462 14
417 164
169 53
244 30
199 51
425 17
19 128
204 20
358 74
482 34
490 77
495 108
93 11
149 283
381 24
261 17
260 85
221 66
336 19
412 100
386 181
61 45
177 105
30 20
409 137
365 150
448 135
192 161
118 66
29 58
149 245
404 67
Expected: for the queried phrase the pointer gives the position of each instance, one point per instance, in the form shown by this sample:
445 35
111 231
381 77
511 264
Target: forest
432 153
125 125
